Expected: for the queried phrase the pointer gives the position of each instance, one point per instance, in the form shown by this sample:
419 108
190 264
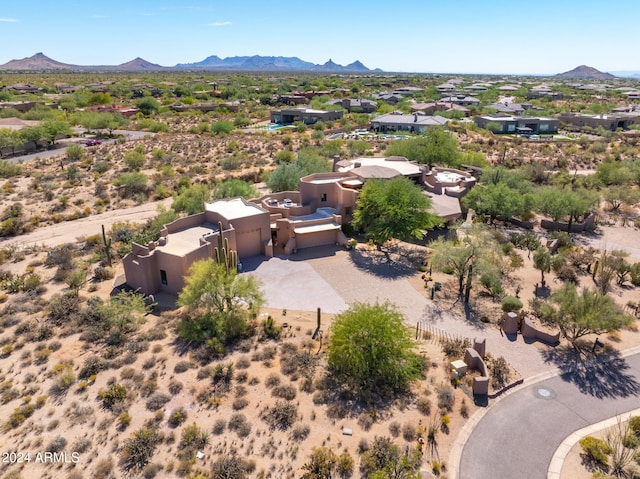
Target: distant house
22 88
462 100
207 107
432 107
407 90
389 97
611 121
308 116
414 123
22 106
523 125
356 105
511 108
126 111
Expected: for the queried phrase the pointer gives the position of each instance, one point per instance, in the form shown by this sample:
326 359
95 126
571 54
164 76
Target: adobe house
281 222
607 121
162 266
397 121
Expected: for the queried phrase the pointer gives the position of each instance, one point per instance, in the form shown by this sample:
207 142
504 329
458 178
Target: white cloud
8 20
219 24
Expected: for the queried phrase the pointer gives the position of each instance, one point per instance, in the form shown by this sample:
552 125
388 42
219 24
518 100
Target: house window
511 127
163 276
323 197
544 127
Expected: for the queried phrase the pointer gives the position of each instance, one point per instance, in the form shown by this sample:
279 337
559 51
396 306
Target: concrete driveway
331 278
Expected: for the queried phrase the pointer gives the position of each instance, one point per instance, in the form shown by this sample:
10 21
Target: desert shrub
130 184
242 376
232 467
138 450
409 432
240 403
92 366
634 425
423 405
365 421
175 387
157 400
124 419
103 273
57 444
394 428
446 397
219 427
177 417
103 469
239 424
511 303
299 362
81 445
272 380
281 415
287 392
181 367
596 449
112 395
300 432
455 348
243 362
63 309
500 372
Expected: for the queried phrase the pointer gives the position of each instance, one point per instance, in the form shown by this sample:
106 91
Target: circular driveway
518 435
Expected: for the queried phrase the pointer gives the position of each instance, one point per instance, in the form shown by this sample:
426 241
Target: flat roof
186 240
401 165
316 228
234 208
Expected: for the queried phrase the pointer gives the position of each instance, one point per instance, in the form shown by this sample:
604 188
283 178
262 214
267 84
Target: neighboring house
388 97
523 125
22 88
611 121
407 90
22 106
356 105
308 116
431 108
126 111
414 123
511 108
462 100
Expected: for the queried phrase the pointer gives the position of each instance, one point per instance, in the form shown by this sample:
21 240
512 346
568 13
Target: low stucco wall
473 359
588 222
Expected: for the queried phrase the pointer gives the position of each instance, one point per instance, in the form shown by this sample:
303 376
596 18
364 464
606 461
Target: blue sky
443 36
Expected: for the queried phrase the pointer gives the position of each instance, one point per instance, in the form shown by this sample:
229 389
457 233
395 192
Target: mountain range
40 61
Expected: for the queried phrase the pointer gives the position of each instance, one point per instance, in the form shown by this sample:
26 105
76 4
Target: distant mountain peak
40 61
586 72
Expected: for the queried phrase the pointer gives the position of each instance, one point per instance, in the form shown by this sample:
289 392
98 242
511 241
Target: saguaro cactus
106 243
222 253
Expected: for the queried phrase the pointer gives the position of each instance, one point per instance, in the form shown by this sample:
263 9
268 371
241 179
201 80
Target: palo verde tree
394 208
219 304
579 313
434 147
474 251
370 351
542 262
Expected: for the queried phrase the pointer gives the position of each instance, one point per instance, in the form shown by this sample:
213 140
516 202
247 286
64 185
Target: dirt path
69 231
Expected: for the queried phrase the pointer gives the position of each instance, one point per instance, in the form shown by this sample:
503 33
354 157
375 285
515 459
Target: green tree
321 464
191 199
394 208
434 147
148 105
219 303
577 314
131 183
233 187
75 152
55 128
221 128
473 252
286 177
125 310
384 459
370 351
497 200
542 261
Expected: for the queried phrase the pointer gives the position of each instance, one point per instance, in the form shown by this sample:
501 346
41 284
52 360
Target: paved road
519 435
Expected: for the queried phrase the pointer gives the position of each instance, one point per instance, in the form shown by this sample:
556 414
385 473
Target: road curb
455 455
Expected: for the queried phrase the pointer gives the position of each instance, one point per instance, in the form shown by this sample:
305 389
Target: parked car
93 142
